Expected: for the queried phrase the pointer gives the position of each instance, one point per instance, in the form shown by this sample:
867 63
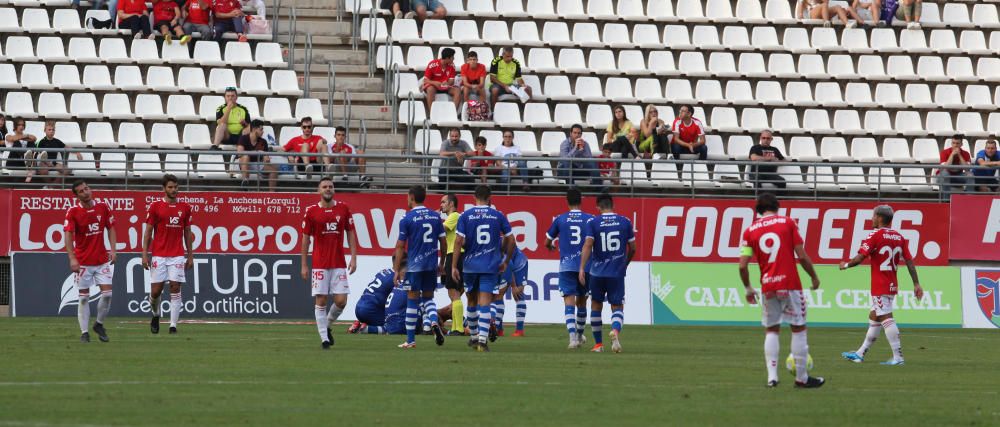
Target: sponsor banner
671 230
4 222
975 230
264 286
689 293
981 297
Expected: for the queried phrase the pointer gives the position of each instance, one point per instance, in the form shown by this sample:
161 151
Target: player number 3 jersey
886 248
773 239
88 225
327 227
169 220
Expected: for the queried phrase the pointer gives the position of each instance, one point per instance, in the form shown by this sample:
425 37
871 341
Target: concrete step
345 56
362 98
353 84
370 113
317 26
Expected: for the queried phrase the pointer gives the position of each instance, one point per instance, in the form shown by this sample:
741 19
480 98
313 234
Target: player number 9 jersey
772 239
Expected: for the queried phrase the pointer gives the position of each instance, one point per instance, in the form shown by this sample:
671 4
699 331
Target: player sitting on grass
611 240
568 230
515 278
887 248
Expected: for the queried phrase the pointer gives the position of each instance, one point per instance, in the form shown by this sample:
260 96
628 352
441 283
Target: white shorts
93 275
882 304
330 281
167 269
784 306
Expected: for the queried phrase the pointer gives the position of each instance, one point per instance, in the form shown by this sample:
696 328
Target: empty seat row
146 165
157 78
142 51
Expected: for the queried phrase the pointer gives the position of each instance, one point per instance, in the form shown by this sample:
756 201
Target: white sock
154 305
892 335
103 306
874 329
83 312
321 322
772 347
176 303
334 313
800 352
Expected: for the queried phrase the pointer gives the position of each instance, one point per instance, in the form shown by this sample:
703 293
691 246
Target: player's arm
189 245
549 243
917 290
397 260
508 251
630 253
588 246
113 239
304 252
807 265
455 255
746 253
147 237
853 262
443 252
352 242
74 265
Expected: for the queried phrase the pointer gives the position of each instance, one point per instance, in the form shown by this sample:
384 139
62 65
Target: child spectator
608 169
473 78
483 168
196 16
167 20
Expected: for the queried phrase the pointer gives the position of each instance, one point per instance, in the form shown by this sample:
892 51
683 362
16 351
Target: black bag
99 24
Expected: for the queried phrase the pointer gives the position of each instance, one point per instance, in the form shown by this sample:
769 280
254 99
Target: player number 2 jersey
88 225
327 227
569 229
483 229
169 220
421 229
886 248
772 239
611 234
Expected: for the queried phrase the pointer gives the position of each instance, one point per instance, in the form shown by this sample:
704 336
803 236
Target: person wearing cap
250 150
233 120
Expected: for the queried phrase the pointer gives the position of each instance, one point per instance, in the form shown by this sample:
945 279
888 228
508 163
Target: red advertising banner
5 236
975 229
672 230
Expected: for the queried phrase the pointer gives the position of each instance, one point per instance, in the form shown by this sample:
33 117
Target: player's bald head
884 213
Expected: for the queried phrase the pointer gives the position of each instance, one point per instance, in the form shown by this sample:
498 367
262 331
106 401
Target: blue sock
375 330
430 308
595 325
570 321
581 319
522 310
484 323
472 319
412 317
501 308
617 318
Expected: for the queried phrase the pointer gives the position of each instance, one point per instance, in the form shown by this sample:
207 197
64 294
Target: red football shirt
946 154
327 227
688 132
225 6
886 248
163 10
295 144
773 239
132 7
343 149
169 220
195 14
89 224
436 72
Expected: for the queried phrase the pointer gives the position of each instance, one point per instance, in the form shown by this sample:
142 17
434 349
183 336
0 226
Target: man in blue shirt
484 233
422 235
514 278
568 229
575 159
987 162
611 240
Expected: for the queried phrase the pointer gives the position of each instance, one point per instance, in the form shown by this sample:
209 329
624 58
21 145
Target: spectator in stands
48 156
439 76
988 162
619 125
167 20
909 11
628 145
424 9
342 163
954 156
232 120
575 155
510 165
483 169
689 135
397 7
609 170
763 152
18 138
134 15
823 10
3 128
229 18
869 8
473 78
260 164
655 133
505 75
196 18
307 143
454 150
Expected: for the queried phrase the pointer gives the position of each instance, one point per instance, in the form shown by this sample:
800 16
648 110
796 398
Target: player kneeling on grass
422 235
886 247
514 278
169 232
85 225
775 241
610 238
380 310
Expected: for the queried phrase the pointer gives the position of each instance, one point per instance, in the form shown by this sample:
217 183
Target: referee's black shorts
449 282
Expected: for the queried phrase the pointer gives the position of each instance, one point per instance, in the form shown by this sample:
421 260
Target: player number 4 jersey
772 239
327 227
88 225
169 220
886 248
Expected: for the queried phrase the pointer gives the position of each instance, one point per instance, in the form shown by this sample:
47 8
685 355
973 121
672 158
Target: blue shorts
509 277
431 5
610 288
421 281
394 324
481 282
370 311
569 284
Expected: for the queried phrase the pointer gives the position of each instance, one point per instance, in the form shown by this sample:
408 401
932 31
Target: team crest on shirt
988 294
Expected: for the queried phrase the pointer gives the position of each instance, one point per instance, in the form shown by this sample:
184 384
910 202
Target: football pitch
276 374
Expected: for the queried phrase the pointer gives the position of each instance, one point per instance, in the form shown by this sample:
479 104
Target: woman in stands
511 165
18 139
134 15
653 134
619 126
823 10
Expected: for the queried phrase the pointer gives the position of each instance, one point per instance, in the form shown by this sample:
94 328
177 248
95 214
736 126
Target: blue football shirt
421 229
483 229
381 286
611 234
569 229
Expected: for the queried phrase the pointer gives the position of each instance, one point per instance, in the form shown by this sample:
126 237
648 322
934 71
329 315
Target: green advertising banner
710 293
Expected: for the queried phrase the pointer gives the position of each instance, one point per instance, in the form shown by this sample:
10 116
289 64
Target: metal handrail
347 113
276 20
355 25
394 100
363 134
292 36
331 88
308 65
341 5
372 30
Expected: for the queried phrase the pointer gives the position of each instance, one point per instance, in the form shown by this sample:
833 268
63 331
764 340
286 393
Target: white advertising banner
981 297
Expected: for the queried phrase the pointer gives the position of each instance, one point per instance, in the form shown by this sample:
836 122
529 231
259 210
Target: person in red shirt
439 76
609 170
86 223
947 178
167 20
689 135
483 168
134 15
344 163
887 248
196 16
776 242
168 235
473 78
305 143
328 222
229 18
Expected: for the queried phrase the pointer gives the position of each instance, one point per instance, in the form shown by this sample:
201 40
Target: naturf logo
988 294
70 295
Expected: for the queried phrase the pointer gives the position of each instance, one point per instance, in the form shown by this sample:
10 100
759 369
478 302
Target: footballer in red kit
328 223
887 249
85 225
168 235
775 241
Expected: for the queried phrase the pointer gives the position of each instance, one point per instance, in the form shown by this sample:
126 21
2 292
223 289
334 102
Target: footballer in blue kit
484 233
610 240
422 235
515 277
569 229
381 308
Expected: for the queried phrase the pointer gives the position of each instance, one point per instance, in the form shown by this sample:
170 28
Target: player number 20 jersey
886 248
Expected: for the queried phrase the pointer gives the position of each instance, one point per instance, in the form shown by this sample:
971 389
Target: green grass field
276 374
